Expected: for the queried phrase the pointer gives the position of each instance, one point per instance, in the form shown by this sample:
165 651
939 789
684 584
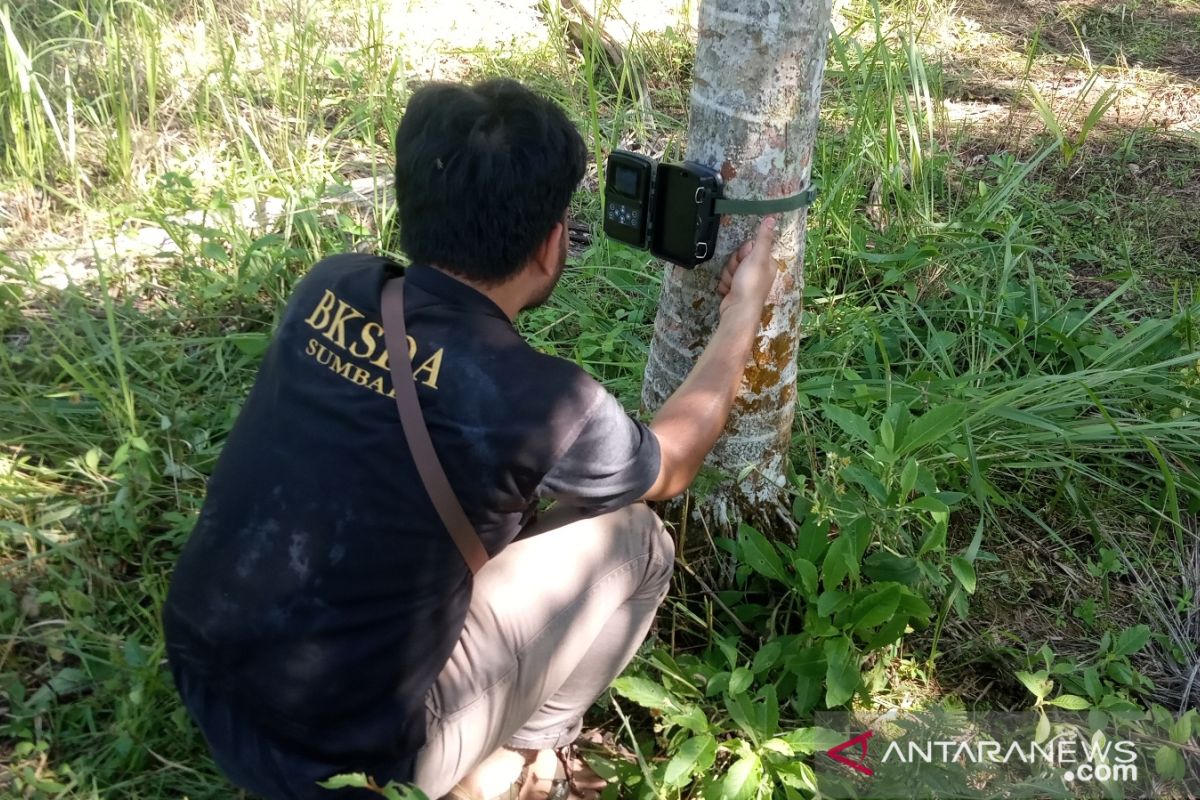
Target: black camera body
668 208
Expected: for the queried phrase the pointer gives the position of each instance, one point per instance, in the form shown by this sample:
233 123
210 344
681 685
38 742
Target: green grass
998 383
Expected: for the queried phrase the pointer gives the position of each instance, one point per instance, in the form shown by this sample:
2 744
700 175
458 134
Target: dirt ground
439 37
1141 57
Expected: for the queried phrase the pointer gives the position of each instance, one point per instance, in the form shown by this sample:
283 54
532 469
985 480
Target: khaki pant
553 619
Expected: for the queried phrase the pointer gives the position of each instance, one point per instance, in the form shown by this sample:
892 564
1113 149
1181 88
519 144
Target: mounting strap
761 207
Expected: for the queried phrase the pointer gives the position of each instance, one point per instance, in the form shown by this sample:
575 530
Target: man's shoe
572 778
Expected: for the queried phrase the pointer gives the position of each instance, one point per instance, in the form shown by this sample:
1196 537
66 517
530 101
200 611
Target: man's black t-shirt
319 591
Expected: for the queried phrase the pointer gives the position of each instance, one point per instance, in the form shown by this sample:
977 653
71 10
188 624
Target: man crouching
321 619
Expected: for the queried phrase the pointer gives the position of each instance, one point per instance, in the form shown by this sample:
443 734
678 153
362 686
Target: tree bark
754 111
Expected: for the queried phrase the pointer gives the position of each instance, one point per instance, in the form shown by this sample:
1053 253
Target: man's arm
691 420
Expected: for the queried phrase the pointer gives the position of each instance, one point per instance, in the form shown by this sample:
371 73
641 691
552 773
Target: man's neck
506 295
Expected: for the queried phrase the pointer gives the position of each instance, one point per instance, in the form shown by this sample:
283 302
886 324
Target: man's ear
546 257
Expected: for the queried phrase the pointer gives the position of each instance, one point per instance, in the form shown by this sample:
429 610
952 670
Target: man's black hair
483 173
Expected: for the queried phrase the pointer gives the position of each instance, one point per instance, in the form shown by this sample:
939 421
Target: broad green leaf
934 424
972 551
863 529
252 344
768 711
889 632
1091 683
915 607
1181 729
1042 732
930 504
884 566
908 479
1132 640
813 740
812 539
67 680
887 434
898 415
760 554
951 499
1167 762
850 422
965 572
876 608
645 693
1071 702
832 601
692 718
120 457
874 487
695 755
766 656
663 661
797 775
1038 683
742 779
841 671
935 539
779 746
741 680
81 603
1120 672
801 508
46 785
808 575
214 251
728 646
962 605
926 483
717 684
355 780
1115 703
840 561
741 711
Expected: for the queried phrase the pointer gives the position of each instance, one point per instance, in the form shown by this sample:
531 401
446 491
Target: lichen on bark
754 113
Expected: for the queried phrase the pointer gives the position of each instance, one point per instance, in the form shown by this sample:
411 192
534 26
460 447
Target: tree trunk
754 112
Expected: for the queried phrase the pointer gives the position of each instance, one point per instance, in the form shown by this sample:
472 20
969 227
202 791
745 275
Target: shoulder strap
417 433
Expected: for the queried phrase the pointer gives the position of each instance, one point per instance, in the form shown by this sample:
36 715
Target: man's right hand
690 421
750 272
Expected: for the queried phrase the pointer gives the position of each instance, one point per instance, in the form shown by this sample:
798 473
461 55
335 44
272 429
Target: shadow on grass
1160 35
1127 204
